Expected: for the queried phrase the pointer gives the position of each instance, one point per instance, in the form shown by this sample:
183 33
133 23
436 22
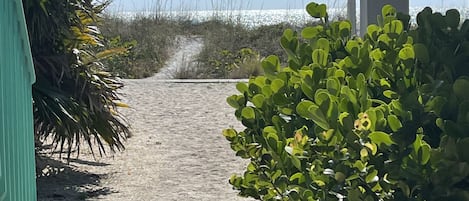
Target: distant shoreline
255 18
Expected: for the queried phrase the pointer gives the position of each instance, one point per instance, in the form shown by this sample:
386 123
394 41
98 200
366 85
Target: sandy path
177 151
182 58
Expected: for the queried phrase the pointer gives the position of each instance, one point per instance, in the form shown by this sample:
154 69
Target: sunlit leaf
316 10
248 113
381 138
406 53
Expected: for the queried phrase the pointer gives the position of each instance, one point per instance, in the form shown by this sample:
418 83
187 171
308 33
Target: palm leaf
74 98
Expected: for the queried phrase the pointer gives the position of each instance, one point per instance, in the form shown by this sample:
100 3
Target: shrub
382 117
74 98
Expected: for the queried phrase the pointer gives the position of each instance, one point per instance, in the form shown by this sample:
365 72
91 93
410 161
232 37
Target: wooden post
370 9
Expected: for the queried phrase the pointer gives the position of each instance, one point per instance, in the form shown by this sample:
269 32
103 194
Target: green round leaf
320 57
424 154
389 12
298 176
288 34
372 176
271 65
452 18
311 32
276 85
395 26
377 55
323 44
272 140
384 38
333 86
326 135
380 138
406 53
394 123
302 109
421 53
248 113
352 47
322 97
339 73
373 30
390 94
438 20
296 162
316 10
339 177
318 117
460 87
258 100
233 101
345 28
242 87
229 133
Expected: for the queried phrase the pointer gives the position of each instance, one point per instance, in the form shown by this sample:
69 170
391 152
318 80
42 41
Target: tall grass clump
150 39
232 50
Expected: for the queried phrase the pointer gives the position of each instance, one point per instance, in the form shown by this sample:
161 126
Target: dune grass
231 49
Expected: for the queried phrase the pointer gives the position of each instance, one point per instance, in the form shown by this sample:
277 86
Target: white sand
177 151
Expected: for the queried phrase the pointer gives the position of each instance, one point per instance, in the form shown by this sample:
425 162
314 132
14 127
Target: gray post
370 9
352 14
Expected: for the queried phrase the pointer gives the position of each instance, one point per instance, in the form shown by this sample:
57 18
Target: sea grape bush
379 117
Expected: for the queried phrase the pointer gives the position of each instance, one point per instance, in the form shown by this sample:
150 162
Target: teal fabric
17 162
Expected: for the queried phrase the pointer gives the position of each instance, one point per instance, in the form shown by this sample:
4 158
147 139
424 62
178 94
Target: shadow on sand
57 180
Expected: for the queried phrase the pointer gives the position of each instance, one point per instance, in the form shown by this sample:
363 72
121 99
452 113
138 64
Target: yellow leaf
111 52
372 147
113 112
363 153
120 104
319 183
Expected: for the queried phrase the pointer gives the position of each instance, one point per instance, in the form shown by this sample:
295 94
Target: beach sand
176 152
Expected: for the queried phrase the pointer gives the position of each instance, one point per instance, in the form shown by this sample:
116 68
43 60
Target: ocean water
255 18
249 18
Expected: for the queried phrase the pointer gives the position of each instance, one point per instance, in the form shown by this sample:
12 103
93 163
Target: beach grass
231 49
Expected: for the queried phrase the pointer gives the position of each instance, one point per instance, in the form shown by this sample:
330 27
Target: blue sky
149 5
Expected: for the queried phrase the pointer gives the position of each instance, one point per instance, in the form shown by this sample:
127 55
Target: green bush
383 117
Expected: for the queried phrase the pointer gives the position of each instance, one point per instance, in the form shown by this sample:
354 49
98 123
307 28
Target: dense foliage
379 117
75 100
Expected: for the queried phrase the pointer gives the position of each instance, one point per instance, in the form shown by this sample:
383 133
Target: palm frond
75 100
